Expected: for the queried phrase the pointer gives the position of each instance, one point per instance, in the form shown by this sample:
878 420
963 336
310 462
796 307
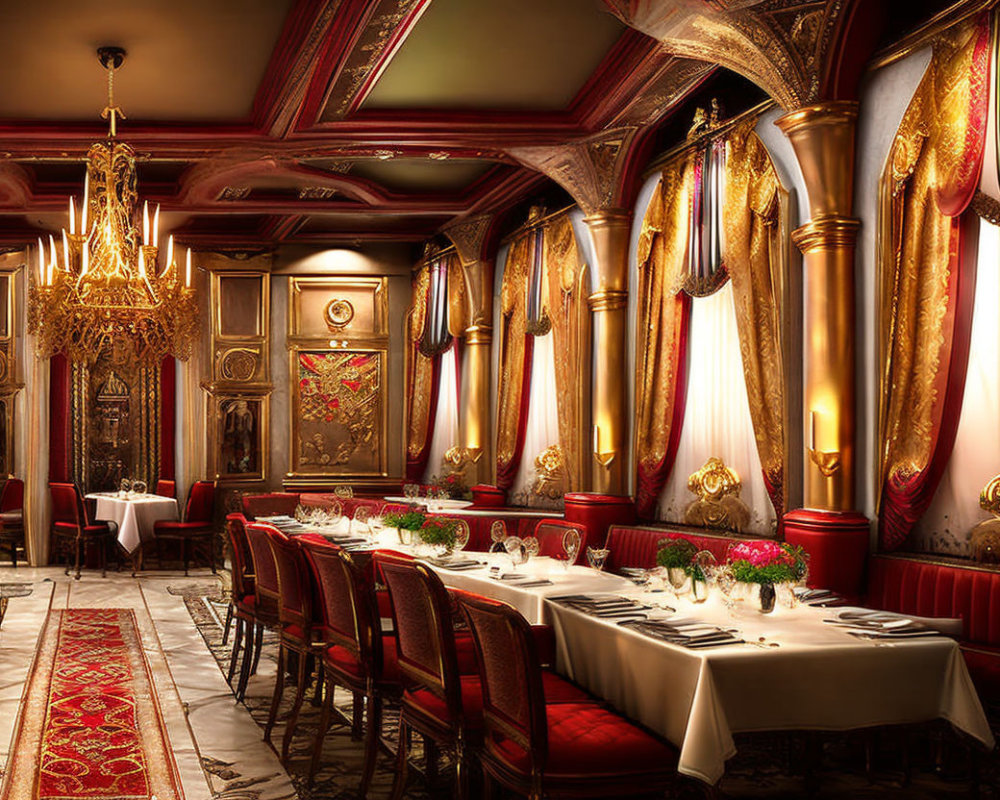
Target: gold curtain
513 346
927 181
661 325
420 373
752 258
565 308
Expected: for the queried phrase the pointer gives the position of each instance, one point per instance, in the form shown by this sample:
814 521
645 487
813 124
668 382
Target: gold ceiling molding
590 169
783 46
468 236
674 82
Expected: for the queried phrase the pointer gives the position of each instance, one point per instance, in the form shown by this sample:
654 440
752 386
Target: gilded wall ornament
338 313
239 363
718 505
984 538
550 473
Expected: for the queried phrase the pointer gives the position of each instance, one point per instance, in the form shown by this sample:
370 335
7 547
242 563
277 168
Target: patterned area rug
90 726
340 767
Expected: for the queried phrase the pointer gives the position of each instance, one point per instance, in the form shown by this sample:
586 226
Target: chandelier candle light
108 285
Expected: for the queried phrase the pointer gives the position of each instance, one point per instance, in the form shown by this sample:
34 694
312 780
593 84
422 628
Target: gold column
822 136
474 415
609 231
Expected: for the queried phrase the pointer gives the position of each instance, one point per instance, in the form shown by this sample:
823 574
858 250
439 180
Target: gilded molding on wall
718 505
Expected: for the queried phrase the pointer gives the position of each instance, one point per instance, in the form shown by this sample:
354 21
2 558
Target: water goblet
516 550
362 516
461 535
571 546
498 534
302 514
596 556
531 546
375 525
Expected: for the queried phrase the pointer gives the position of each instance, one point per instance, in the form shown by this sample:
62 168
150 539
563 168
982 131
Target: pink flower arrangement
767 562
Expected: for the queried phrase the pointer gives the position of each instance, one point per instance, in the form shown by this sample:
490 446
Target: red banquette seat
636 545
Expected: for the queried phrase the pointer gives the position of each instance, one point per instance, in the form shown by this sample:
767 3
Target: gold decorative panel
116 421
240 445
240 326
350 307
338 412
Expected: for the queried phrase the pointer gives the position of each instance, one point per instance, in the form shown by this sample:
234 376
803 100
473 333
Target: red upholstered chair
272 504
550 532
242 599
73 530
266 596
542 748
166 488
296 629
196 525
356 654
12 516
442 705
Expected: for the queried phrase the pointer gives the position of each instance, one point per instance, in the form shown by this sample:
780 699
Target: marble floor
216 743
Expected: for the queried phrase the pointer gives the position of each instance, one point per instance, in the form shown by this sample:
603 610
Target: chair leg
324 723
371 743
237 638
226 624
257 648
250 631
211 550
461 771
77 559
186 550
357 716
279 688
487 785
293 718
431 755
402 763
102 546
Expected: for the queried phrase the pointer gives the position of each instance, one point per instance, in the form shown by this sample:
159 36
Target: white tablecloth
135 516
818 677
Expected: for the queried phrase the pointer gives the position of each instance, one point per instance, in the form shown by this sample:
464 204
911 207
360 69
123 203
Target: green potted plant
439 532
679 557
405 524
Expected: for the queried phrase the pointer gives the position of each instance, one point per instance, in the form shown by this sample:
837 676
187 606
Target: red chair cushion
586 740
559 690
170 527
433 706
296 632
344 660
68 528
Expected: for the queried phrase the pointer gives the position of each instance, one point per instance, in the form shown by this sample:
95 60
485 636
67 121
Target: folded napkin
869 617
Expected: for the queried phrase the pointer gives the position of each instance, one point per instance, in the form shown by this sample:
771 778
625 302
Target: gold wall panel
241 322
338 308
338 412
240 438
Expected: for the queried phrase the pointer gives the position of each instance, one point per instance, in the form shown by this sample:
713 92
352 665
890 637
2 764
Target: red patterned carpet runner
90 725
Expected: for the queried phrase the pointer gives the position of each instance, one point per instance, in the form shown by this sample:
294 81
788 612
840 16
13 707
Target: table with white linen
135 515
818 677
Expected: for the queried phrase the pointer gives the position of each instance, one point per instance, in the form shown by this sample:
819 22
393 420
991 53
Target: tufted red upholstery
550 532
917 586
269 505
535 743
633 546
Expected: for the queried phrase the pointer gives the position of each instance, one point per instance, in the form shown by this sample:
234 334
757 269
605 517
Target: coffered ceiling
264 122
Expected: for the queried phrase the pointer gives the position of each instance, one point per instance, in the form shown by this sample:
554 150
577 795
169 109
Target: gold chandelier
103 283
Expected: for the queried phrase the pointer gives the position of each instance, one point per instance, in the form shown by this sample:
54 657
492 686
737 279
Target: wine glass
411 491
375 525
531 545
302 514
498 533
571 546
362 516
726 581
516 550
596 556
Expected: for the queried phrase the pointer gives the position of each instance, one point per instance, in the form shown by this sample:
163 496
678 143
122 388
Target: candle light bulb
145 222
86 201
156 226
142 264
187 270
52 259
72 217
170 251
41 262
65 251
85 261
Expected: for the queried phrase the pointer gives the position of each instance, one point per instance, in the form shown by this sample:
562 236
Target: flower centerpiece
765 564
450 486
409 521
680 559
439 532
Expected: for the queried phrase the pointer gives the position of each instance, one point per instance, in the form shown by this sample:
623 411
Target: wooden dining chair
356 654
242 600
439 703
541 748
73 530
266 598
196 527
12 516
296 631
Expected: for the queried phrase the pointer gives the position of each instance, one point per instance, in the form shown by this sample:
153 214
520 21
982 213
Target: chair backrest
345 604
270 504
425 637
550 532
265 571
166 488
294 580
201 502
241 558
511 674
67 506
12 497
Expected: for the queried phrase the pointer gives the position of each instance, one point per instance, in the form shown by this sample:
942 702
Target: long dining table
792 669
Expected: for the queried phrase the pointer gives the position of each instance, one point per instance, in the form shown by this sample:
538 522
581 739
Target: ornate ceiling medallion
107 284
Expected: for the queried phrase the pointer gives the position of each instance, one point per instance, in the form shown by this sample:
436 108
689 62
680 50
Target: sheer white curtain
542 428
717 413
976 457
446 421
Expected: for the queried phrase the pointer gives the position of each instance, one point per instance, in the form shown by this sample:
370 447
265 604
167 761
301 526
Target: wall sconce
604 457
828 461
473 454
